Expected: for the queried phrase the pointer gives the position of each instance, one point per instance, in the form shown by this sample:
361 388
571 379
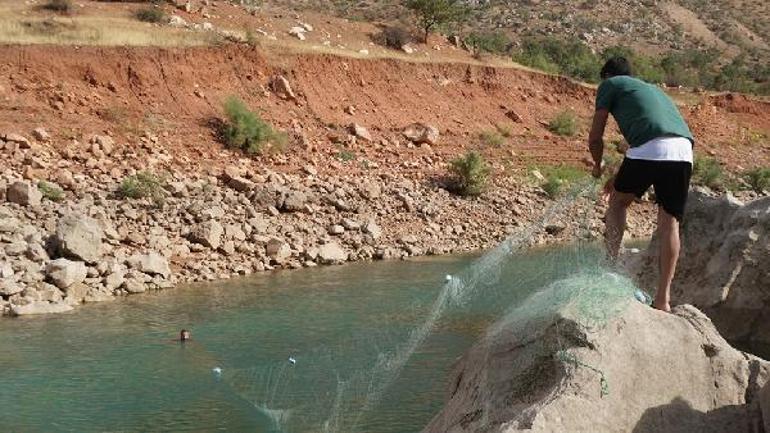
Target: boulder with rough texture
24 193
64 273
724 266
278 250
360 132
643 371
419 133
281 87
294 201
40 307
208 234
151 263
331 253
79 237
9 287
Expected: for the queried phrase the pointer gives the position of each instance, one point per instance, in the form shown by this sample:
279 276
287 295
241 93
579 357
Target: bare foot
662 306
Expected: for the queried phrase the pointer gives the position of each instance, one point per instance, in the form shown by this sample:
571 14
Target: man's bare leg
668 236
615 222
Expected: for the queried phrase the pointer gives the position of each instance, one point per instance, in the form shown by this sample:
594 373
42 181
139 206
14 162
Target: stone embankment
76 238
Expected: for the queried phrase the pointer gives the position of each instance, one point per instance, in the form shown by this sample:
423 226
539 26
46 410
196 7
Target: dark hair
615 66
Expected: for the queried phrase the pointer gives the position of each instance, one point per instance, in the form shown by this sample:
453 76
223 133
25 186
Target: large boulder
151 263
40 307
79 237
24 193
630 368
724 267
208 234
64 273
331 253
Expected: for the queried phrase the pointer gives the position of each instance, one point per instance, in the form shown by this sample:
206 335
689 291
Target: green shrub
151 15
759 179
708 172
489 42
492 138
247 131
558 177
142 185
346 155
60 6
644 67
50 191
555 55
471 173
395 37
437 13
564 124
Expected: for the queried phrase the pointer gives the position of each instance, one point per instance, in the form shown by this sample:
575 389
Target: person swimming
184 335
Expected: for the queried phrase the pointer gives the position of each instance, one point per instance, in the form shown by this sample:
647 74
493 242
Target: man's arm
595 139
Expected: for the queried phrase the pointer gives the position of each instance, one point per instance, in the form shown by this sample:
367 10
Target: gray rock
64 273
15 248
19 139
9 225
331 253
278 250
36 253
6 270
79 237
134 286
8 287
114 280
419 133
294 202
240 184
373 229
41 134
151 263
76 293
24 193
350 224
40 307
208 234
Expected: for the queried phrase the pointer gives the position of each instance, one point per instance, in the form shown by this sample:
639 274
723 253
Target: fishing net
574 282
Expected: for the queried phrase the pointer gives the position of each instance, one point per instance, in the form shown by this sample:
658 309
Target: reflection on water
114 367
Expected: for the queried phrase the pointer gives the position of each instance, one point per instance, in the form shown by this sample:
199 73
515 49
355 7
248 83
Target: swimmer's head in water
184 335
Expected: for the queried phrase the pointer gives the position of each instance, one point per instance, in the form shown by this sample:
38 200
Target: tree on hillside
434 13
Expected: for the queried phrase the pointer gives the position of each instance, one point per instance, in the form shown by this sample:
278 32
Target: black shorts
671 180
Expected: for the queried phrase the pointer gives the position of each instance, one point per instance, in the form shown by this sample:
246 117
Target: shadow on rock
680 417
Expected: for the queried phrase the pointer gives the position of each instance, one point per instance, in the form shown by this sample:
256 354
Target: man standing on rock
660 155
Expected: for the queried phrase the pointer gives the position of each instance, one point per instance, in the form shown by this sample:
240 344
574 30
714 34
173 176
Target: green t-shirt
642 110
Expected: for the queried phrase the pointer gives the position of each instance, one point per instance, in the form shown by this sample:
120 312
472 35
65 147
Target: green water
115 367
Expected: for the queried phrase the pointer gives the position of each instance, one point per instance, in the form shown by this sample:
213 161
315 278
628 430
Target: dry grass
19 26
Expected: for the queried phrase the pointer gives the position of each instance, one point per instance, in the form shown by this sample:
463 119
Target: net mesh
574 282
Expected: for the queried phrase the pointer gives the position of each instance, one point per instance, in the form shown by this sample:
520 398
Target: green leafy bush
60 6
151 15
437 13
50 191
247 131
142 185
555 55
558 177
471 172
396 37
708 172
489 42
759 179
565 123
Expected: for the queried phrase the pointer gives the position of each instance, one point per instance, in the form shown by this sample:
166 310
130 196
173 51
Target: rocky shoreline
73 238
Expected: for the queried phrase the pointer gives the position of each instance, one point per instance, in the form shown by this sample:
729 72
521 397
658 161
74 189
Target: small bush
346 155
50 191
559 177
60 6
708 172
564 124
556 55
142 185
493 42
759 179
151 15
471 173
492 138
246 130
396 37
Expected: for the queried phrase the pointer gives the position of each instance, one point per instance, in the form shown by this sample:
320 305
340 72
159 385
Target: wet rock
40 307
24 193
151 263
80 237
420 133
208 234
331 253
64 273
